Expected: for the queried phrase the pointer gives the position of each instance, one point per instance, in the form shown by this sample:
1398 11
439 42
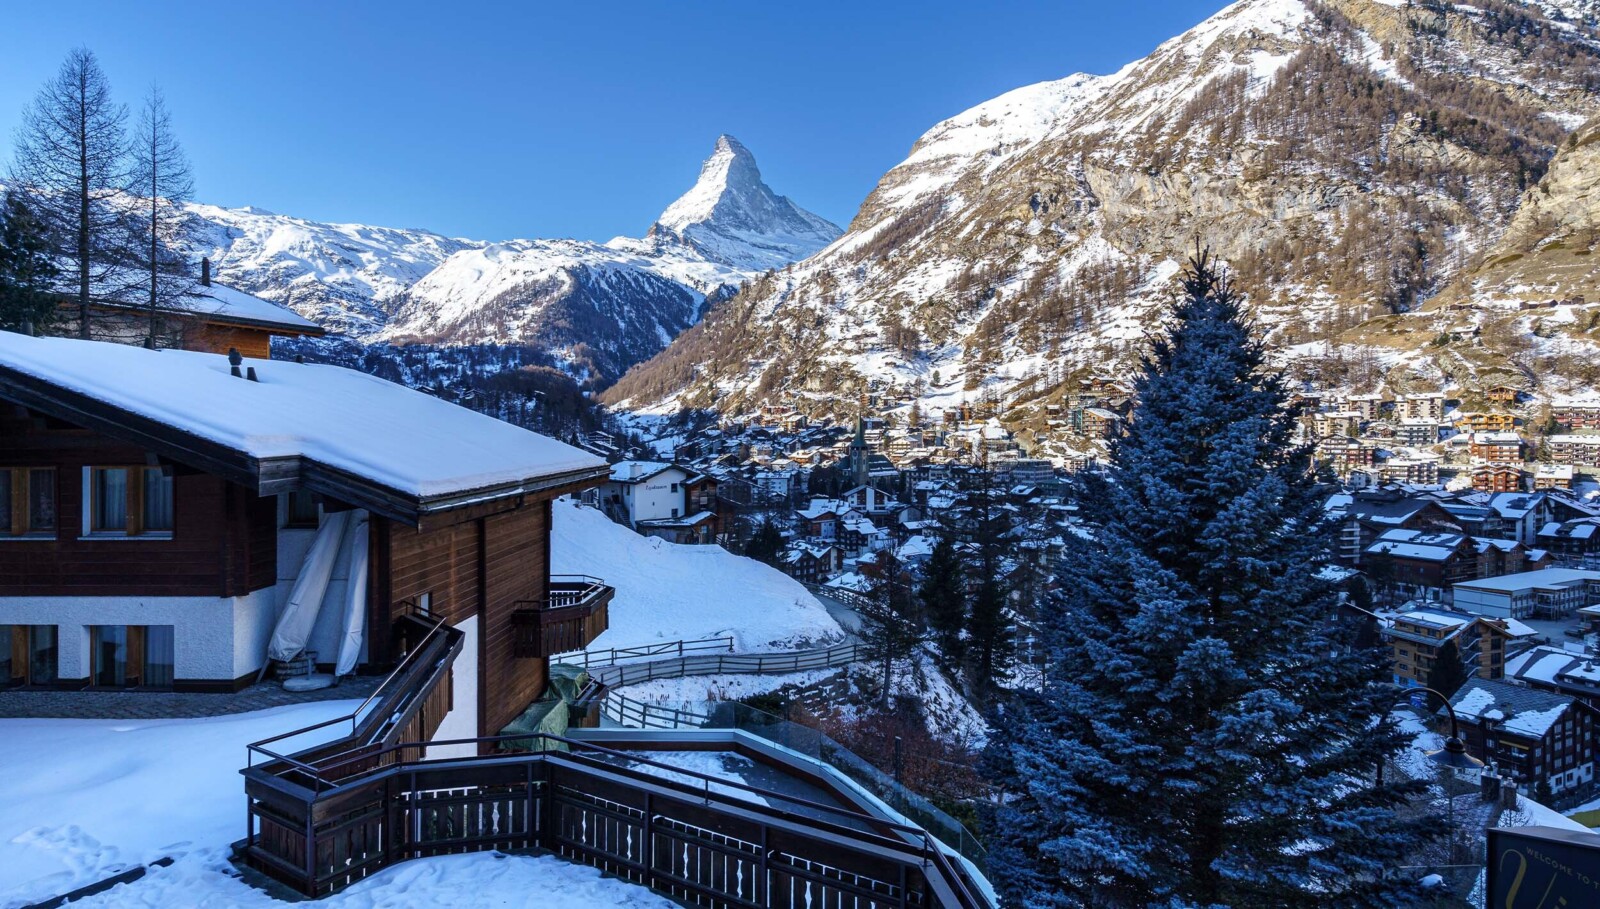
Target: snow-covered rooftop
384 433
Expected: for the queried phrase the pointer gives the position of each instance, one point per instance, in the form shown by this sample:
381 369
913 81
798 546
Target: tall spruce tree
27 273
71 160
943 595
892 620
1206 735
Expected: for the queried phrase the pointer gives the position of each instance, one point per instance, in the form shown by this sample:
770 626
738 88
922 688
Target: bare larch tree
160 178
70 159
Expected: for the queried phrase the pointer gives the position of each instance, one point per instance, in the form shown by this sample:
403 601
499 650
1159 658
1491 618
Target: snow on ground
81 800
697 694
476 881
670 592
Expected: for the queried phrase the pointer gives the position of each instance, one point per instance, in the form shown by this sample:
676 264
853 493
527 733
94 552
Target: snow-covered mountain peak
731 216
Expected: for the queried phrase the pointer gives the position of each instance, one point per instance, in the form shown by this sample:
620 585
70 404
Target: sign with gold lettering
1543 868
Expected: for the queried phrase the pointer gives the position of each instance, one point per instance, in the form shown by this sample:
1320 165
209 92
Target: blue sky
495 121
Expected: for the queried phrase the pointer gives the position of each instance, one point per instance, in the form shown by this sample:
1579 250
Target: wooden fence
709 841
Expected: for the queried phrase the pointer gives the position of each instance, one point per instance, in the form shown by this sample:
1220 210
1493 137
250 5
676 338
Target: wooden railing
408 705
698 838
572 615
610 656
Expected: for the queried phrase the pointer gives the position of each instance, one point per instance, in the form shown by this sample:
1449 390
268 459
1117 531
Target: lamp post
1452 757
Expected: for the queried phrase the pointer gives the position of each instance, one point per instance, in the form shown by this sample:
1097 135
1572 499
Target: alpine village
1172 488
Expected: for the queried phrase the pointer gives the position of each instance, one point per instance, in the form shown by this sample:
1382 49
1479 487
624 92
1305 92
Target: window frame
18 479
133 505
21 651
135 659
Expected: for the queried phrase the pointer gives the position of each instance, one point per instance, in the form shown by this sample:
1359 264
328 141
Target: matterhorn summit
731 216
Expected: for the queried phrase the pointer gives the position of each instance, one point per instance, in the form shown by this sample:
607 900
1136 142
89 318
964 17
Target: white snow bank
670 592
83 799
390 434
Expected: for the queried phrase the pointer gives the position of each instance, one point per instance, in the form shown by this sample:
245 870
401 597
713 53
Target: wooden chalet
159 506
211 317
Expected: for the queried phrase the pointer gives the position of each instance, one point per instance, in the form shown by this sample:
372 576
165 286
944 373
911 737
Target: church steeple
858 454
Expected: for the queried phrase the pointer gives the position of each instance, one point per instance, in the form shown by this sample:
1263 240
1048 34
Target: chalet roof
228 305
372 443
1514 709
639 471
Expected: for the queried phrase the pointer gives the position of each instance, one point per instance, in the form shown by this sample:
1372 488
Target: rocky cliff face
1350 159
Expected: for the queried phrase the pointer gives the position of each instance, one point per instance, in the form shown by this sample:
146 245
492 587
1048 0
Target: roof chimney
251 374
205 272
234 360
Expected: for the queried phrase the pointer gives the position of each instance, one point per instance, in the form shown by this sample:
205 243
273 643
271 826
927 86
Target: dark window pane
109 644
157 501
41 499
5 501
41 654
110 498
158 656
9 674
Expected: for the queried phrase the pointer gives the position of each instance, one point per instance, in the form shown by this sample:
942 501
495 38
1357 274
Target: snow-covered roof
637 471
1522 711
1544 578
233 305
332 426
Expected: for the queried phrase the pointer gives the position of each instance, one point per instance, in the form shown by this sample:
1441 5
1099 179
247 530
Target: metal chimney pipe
251 374
205 271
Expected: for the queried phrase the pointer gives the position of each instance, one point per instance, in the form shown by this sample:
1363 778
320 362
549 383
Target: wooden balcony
570 617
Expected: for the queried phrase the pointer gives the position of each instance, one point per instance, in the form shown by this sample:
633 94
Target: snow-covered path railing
778 663
592 659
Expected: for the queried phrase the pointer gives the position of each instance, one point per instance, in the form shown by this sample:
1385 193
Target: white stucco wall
205 635
462 720
654 498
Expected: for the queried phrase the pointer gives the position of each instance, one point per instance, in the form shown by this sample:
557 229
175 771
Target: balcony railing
701 839
572 614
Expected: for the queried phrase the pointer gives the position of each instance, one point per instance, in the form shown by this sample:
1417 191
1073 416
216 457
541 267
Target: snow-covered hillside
599 308
672 592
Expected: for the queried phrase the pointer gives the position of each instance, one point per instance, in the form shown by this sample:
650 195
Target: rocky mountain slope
1351 159
595 308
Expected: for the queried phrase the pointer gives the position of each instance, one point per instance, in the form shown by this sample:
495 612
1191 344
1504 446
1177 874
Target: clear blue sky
495 121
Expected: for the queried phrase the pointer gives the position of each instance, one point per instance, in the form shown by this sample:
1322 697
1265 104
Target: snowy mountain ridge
599 307
1349 159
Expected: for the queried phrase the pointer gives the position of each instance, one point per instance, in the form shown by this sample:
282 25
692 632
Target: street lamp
1452 757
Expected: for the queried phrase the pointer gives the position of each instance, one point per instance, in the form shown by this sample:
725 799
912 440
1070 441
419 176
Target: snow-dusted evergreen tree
943 597
1206 735
27 273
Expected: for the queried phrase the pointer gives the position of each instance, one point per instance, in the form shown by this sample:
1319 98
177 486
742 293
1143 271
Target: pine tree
1448 674
892 617
944 598
161 179
1205 735
765 544
989 622
27 274
71 161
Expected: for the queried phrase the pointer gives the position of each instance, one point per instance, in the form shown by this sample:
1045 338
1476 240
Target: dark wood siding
483 567
517 569
224 539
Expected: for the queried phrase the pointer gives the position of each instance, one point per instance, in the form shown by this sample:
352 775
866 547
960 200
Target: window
28 501
27 655
131 656
301 509
128 501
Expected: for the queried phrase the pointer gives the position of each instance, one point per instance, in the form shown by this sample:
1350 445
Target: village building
1497 447
663 500
1582 450
1576 415
1549 593
1415 636
1539 738
1553 476
1498 478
